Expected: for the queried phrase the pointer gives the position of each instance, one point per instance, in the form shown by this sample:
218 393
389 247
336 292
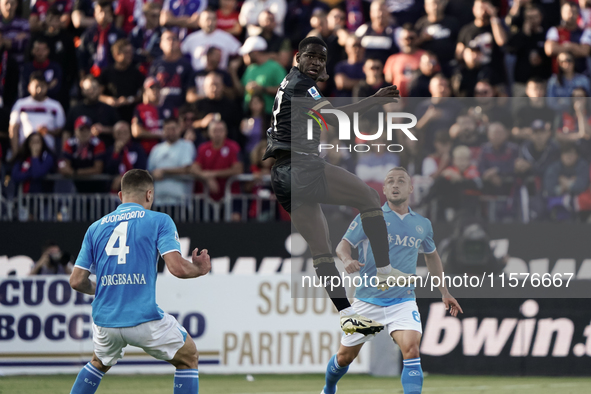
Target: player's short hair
41 40
105 4
399 169
312 40
136 181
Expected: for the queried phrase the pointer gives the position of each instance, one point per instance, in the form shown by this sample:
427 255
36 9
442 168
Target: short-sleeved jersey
408 235
123 248
281 136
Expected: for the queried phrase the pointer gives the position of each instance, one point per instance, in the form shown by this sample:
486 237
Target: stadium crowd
186 88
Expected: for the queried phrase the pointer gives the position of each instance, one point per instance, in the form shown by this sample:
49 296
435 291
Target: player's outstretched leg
345 188
186 376
310 222
89 377
338 366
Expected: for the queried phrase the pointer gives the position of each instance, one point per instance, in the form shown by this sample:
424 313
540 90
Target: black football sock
326 268
375 228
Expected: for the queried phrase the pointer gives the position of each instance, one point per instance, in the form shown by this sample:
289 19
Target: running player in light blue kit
123 248
408 235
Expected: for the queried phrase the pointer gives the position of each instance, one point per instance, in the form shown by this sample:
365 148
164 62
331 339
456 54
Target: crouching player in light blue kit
123 249
408 234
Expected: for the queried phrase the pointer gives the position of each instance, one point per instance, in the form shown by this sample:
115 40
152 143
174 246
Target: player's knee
371 199
411 351
345 358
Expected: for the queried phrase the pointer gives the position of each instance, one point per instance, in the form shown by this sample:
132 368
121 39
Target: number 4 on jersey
120 233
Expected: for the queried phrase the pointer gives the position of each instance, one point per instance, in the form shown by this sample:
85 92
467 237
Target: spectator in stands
196 44
215 105
32 163
562 84
14 31
145 37
124 155
173 72
373 69
420 79
497 161
378 36
479 49
564 180
527 45
102 116
36 113
526 111
465 132
53 261
217 160
83 155
256 123
411 157
263 75
121 83
277 45
83 15
373 166
40 62
251 9
319 23
493 109
196 90
457 186
400 66
147 121
573 123
182 16
131 13
297 20
39 9
569 38
94 52
439 160
188 130
227 16
538 151
438 33
61 51
349 73
437 112
172 157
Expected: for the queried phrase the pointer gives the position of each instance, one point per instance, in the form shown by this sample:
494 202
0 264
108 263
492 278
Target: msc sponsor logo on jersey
411 242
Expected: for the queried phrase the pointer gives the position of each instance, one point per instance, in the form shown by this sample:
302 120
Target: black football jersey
289 123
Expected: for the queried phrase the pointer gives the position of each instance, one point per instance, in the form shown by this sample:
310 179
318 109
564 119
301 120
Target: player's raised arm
185 269
436 269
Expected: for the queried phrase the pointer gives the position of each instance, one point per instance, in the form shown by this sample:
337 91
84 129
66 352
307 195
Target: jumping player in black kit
302 180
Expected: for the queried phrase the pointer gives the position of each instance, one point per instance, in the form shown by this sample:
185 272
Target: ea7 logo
414 373
345 125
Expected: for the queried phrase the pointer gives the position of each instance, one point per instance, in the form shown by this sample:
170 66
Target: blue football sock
186 381
88 380
334 372
412 376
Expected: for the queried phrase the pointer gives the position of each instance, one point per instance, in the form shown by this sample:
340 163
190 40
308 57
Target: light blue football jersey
407 237
122 248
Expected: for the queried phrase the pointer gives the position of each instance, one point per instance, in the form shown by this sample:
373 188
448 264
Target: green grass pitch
300 384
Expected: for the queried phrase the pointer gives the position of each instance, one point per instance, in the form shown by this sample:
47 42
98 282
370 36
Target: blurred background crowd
185 89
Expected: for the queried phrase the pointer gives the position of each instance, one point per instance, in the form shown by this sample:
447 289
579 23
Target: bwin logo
345 125
414 373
